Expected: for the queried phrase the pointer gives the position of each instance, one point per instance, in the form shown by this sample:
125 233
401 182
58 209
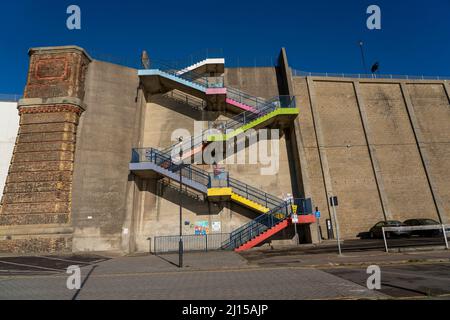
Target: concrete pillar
287 88
372 152
320 144
423 154
447 89
36 207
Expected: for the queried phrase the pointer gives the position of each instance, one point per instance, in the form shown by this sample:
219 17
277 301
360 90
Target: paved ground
419 280
263 274
150 277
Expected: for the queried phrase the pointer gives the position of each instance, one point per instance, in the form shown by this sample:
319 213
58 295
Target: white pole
445 236
385 242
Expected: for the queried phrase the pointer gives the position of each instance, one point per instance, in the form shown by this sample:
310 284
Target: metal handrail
255 227
300 73
155 156
196 57
199 79
246 117
235 122
203 177
266 221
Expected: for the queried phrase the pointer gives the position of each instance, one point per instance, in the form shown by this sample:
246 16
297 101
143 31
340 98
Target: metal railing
299 73
205 178
170 69
244 98
443 230
192 101
279 102
265 222
196 57
232 124
165 161
208 242
254 194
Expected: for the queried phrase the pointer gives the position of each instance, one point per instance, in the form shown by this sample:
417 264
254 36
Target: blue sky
319 35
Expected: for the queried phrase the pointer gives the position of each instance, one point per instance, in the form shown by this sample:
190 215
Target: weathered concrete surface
103 153
361 145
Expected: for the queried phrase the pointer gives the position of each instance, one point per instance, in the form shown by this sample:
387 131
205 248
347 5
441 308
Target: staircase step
263 236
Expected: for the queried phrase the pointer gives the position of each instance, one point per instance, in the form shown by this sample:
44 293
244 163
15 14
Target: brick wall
38 190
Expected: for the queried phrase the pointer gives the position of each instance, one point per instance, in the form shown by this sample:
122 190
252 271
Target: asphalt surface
406 281
38 265
288 273
360 245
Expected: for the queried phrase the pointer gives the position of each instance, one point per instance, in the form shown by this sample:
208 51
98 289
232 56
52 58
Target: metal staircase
276 108
258 113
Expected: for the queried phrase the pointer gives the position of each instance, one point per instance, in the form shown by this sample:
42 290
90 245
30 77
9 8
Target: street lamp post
180 244
361 44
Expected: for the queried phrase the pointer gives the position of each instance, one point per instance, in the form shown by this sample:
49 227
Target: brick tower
35 211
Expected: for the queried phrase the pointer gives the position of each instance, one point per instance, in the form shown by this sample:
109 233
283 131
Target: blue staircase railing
234 123
203 177
165 161
265 222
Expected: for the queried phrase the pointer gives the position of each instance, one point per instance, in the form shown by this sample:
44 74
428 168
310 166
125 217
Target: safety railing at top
204 81
266 221
10 97
196 57
299 73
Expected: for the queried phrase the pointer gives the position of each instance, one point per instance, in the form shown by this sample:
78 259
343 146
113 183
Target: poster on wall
201 227
216 226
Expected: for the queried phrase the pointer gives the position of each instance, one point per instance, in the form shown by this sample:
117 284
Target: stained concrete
103 153
361 145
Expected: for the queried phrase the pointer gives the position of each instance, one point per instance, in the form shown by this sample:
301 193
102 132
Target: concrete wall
9 125
380 146
103 152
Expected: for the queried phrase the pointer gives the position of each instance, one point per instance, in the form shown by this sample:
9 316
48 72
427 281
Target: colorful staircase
257 113
199 85
282 109
263 236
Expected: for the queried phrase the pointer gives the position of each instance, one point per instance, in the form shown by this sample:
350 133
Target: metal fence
208 242
299 73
